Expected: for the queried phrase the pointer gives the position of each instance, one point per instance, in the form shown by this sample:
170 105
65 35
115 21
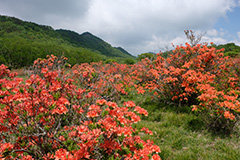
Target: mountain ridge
22 42
88 40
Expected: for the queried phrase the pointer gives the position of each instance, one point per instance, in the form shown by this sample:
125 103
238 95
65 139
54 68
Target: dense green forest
87 40
22 42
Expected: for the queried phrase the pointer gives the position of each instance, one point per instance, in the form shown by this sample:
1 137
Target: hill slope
231 49
22 42
88 40
123 50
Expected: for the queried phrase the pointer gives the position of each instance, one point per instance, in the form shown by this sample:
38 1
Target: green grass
181 135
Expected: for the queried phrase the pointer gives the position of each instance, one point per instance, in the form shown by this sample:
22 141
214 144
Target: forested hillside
88 40
231 49
22 42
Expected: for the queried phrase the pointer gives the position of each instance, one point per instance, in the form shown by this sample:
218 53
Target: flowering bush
51 116
56 114
200 76
108 81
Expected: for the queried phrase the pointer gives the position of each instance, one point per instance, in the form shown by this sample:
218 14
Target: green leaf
31 90
21 90
104 113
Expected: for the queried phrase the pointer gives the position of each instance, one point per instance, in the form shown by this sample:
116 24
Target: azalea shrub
77 113
58 115
109 81
200 76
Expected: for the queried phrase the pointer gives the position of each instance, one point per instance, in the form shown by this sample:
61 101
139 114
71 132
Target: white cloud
212 32
53 12
132 23
238 33
237 43
179 40
216 40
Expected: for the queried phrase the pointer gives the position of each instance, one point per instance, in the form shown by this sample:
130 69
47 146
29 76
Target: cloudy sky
136 25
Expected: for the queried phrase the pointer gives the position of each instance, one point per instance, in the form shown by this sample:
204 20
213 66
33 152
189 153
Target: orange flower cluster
55 115
200 76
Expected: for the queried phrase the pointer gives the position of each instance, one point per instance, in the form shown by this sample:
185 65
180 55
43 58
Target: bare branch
193 39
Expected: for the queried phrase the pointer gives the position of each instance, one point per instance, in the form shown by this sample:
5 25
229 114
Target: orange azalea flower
44 70
62 154
78 109
140 90
85 74
156 157
28 157
122 120
229 115
61 109
112 104
64 101
141 110
28 82
61 138
194 107
6 147
129 104
101 102
156 149
92 114
147 131
135 118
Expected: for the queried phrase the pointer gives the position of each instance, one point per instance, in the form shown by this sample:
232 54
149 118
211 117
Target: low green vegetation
150 56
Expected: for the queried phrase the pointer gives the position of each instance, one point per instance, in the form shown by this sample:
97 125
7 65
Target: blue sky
230 23
136 25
